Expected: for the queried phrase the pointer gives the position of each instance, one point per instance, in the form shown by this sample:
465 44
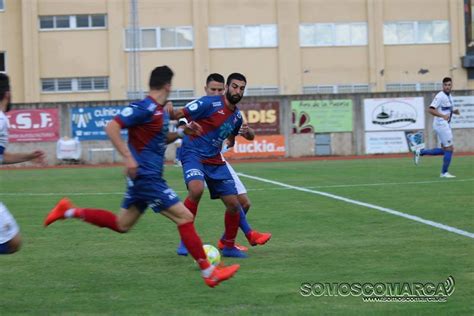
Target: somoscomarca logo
404 292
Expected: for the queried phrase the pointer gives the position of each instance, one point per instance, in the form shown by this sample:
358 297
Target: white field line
442 181
372 206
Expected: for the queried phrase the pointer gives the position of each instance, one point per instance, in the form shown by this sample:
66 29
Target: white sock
69 213
207 272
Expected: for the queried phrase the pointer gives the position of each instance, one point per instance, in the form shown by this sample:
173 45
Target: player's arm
37 156
247 132
456 111
191 128
113 131
176 114
434 112
230 142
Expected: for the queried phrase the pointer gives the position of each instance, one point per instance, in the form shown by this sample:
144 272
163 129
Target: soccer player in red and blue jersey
215 85
201 156
147 124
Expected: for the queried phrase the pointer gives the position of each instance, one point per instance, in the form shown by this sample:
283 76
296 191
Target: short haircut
215 77
235 76
447 79
4 85
160 76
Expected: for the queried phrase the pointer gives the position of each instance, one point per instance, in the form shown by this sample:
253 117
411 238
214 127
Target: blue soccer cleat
233 252
182 250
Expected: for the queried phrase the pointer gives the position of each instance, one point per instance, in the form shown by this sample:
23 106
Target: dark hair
446 79
235 76
4 85
215 77
160 76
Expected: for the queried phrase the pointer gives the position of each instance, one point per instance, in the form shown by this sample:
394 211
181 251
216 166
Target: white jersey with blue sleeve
3 134
443 103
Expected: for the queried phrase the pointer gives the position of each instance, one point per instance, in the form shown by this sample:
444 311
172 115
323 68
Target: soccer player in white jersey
442 110
10 239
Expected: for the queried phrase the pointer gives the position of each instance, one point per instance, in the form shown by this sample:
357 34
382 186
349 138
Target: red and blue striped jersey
217 121
147 125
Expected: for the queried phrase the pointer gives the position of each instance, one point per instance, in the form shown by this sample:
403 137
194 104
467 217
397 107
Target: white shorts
8 226
238 184
445 135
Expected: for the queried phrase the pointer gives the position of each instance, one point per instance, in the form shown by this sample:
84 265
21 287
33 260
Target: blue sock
446 160
244 225
432 152
4 249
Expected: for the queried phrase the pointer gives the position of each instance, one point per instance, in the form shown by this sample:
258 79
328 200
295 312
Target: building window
333 34
75 84
160 38
264 90
76 22
2 5
425 86
342 88
3 62
174 95
416 32
243 36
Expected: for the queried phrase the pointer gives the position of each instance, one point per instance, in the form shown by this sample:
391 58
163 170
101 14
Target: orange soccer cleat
220 274
58 211
221 246
256 238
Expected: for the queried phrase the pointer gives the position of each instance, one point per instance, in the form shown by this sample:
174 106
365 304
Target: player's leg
184 220
231 222
133 205
10 238
166 202
120 223
254 237
194 179
446 137
433 151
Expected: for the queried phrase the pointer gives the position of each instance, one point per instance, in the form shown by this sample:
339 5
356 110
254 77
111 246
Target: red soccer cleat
58 211
221 246
221 274
256 238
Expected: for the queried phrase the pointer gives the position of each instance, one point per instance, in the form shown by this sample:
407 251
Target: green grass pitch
73 268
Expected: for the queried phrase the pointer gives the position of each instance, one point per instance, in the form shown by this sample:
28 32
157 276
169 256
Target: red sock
231 227
101 218
194 244
191 205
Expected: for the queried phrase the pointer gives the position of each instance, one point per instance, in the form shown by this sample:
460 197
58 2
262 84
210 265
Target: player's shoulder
214 100
145 105
441 95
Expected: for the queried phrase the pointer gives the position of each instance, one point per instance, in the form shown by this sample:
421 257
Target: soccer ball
213 255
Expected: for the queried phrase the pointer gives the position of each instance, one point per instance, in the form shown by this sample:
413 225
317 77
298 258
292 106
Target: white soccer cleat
416 157
447 175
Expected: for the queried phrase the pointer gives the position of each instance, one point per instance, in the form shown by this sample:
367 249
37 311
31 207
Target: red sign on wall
40 125
263 117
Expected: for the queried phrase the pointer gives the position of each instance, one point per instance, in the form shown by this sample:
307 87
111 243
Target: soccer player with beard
215 86
201 156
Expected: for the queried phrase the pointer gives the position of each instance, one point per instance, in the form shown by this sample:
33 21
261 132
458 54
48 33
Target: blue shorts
218 177
149 192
